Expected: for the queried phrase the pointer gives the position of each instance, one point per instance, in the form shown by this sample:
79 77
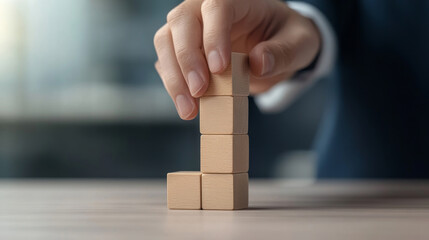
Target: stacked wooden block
223 181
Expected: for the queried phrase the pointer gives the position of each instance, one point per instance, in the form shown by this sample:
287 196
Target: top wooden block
234 81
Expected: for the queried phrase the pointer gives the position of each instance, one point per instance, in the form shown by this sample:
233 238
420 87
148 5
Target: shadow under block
234 81
225 191
224 153
184 190
224 115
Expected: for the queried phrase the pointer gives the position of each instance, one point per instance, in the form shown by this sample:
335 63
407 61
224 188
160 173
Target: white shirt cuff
284 93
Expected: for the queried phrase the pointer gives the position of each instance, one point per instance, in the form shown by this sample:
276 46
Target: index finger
219 17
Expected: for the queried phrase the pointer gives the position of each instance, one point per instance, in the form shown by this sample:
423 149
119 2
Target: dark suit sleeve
340 13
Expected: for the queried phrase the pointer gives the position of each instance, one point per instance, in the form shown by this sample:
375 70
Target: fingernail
195 82
184 106
215 61
267 63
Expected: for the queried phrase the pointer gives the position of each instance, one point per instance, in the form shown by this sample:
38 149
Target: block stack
223 181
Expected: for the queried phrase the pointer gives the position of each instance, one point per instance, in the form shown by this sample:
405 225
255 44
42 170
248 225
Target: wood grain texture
184 190
224 153
234 81
108 209
225 191
224 115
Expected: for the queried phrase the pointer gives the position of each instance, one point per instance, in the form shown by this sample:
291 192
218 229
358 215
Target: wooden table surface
131 209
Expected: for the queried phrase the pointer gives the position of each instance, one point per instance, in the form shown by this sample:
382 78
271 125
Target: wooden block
224 153
225 191
223 115
184 190
234 81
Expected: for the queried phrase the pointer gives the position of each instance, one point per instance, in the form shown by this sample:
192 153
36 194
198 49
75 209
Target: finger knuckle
159 36
211 36
176 14
171 82
210 5
183 56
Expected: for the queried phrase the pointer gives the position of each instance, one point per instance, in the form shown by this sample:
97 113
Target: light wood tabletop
136 209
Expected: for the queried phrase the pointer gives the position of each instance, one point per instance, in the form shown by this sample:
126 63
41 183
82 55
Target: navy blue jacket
377 124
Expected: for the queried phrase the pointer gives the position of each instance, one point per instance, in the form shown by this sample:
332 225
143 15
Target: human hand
201 34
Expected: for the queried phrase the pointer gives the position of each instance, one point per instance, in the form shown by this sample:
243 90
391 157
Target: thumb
288 51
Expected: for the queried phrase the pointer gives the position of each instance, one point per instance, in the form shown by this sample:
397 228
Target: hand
200 35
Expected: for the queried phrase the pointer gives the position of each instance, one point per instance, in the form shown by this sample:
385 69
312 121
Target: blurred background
79 97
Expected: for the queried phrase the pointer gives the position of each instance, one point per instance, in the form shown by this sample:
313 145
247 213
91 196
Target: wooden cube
225 191
224 153
234 81
224 115
184 190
